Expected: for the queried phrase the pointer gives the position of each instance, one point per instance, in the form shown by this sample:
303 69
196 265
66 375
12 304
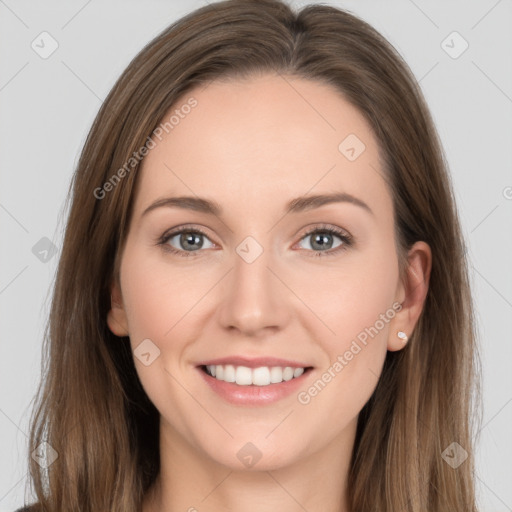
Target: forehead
260 141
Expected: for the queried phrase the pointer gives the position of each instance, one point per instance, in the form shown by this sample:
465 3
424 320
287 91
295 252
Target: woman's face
264 281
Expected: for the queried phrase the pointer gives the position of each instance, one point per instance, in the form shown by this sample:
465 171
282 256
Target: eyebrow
297 205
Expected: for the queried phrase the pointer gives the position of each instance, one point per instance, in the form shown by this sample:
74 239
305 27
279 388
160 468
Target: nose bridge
253 300
251 265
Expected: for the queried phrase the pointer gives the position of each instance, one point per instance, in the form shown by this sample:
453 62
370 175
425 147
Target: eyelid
184 227
322 226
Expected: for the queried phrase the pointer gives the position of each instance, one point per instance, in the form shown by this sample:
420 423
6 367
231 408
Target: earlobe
397 341
416 289
116 317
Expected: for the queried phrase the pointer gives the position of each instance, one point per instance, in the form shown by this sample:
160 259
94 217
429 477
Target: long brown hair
92 409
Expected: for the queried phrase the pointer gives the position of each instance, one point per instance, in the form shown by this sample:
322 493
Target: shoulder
28 508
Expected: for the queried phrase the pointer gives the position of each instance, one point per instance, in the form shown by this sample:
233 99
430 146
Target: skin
252 145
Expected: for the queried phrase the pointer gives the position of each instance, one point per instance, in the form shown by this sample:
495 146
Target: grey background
47 108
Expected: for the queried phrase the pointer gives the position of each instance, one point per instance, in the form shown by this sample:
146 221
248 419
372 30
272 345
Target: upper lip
255 362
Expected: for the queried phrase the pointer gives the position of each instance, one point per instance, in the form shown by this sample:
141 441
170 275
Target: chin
252 456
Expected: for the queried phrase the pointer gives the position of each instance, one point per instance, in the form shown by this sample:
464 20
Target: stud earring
402 336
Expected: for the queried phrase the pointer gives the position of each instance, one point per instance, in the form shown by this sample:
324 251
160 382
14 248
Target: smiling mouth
261 376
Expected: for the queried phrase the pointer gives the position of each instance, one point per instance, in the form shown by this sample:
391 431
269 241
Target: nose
254 299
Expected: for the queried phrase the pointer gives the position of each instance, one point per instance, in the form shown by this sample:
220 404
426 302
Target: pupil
193 239
323 240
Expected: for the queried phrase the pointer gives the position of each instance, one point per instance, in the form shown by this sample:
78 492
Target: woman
207 348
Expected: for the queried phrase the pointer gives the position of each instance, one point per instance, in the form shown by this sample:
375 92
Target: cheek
148 303
156 293
159 300
352 295
359 311
151 297
356 302
164 303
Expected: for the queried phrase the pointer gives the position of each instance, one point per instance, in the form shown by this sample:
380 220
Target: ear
116 318
413 292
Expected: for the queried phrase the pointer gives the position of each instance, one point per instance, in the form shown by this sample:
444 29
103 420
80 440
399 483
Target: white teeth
298 372
243 376
288 373
262 376
276 374
229 373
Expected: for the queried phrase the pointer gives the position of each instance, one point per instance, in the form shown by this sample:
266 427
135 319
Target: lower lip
254 395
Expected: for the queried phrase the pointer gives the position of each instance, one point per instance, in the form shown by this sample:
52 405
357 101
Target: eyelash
324 228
